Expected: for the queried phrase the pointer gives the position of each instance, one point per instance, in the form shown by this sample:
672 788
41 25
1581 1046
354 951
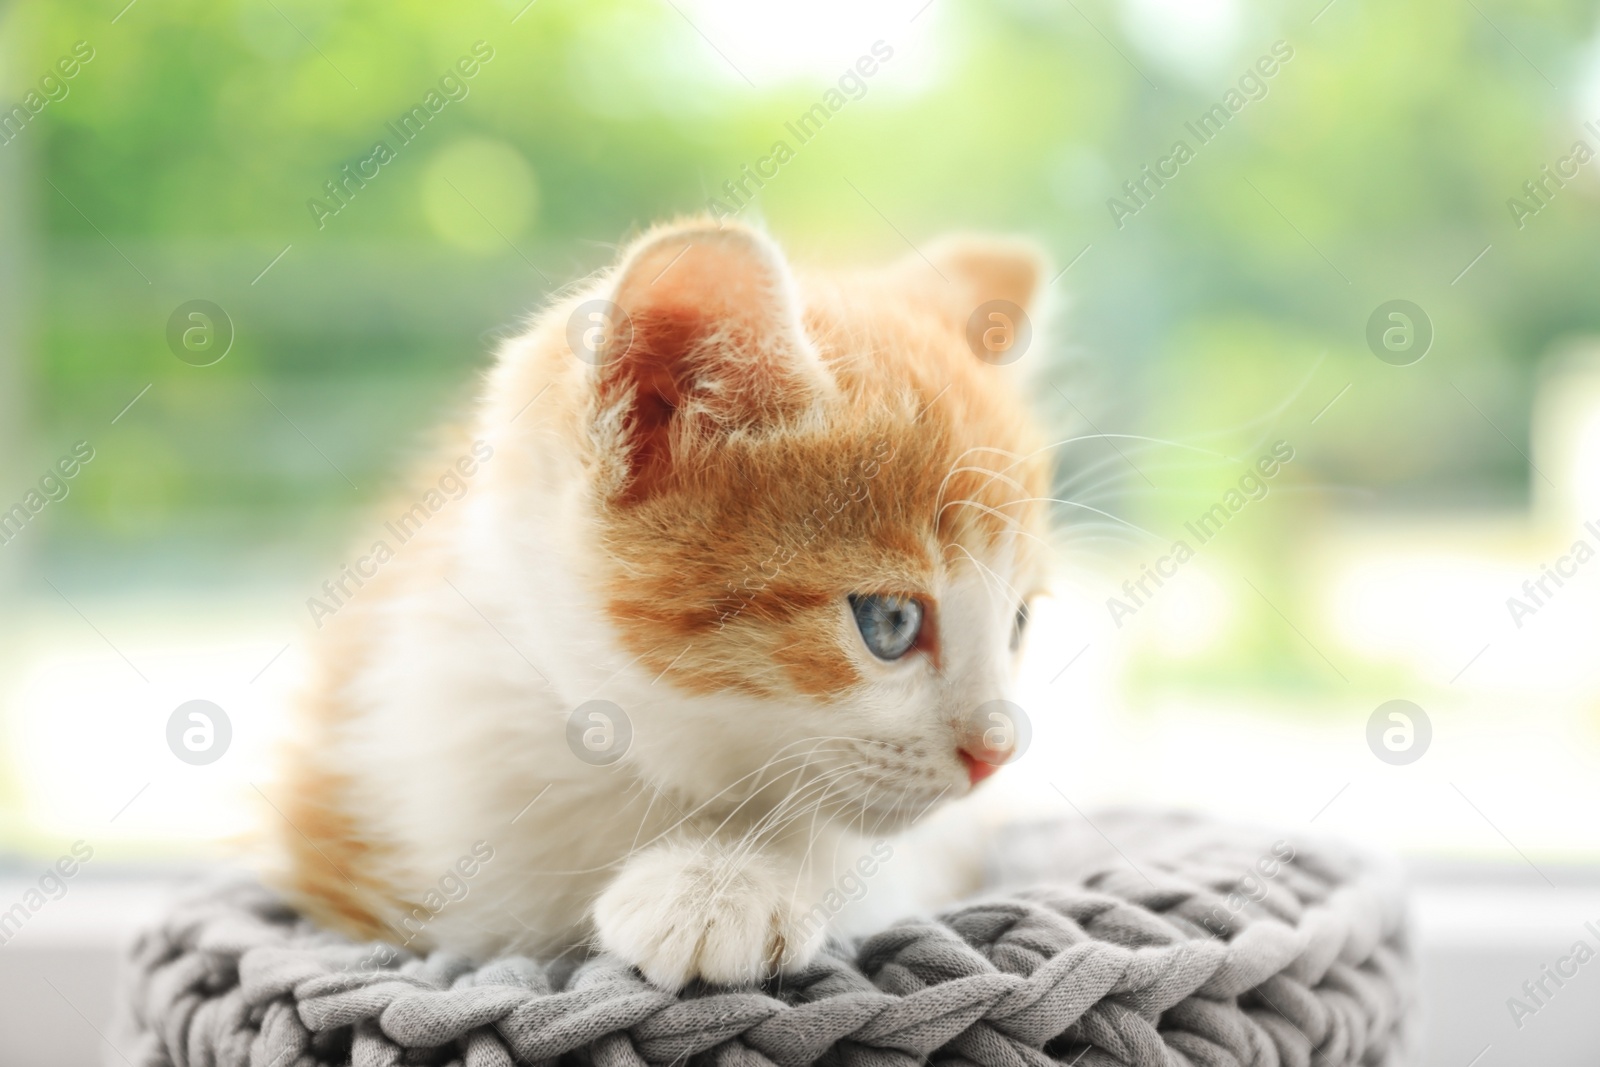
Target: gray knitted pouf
1146 940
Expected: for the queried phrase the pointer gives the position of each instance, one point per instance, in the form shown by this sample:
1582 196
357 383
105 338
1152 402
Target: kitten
782 527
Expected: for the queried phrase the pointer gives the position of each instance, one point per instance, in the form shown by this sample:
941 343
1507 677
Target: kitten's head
820 503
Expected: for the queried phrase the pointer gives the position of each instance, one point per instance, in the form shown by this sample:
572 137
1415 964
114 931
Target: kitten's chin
876 816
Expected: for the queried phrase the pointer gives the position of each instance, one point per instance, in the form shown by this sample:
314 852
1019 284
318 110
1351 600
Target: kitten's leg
723 911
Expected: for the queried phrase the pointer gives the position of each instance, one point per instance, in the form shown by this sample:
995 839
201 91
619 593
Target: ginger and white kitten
787 523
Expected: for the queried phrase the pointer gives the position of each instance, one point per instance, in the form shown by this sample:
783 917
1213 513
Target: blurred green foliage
1377 165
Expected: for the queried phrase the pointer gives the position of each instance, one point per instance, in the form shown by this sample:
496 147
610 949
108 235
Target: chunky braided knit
1143 962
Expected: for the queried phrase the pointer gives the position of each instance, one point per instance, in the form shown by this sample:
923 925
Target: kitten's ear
991 268
980 284
711 343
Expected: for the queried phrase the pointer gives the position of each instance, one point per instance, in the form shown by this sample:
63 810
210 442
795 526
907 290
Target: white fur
702 853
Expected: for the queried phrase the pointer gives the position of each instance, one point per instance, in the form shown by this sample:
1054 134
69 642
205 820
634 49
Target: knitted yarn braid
1177 951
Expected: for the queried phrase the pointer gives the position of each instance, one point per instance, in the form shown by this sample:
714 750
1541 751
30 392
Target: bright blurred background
1386 157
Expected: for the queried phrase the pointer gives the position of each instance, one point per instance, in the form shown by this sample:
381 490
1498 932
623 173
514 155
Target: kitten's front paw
679 913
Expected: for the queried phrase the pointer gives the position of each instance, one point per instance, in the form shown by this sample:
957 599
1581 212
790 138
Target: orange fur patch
740 562
753 498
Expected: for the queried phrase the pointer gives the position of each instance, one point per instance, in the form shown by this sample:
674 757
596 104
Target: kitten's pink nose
982 761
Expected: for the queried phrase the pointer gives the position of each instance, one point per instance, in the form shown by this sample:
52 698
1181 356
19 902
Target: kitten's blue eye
889 624
1018 626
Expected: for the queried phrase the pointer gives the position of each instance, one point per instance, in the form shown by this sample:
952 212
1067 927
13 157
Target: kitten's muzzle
981 760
